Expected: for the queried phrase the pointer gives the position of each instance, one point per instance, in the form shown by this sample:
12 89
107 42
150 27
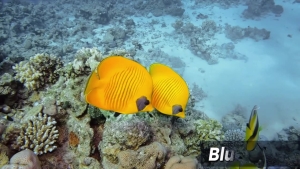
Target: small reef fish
252 135
6 117
170 91
252 130
121 85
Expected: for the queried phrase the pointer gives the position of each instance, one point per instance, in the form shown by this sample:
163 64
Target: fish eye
147 102
180 110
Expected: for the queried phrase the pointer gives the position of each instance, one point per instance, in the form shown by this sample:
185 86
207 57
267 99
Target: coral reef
209 131
256 8
3 156
123 135
236 135
39 134
40 70
236 33
86 60
146 157
234 140
81 128
200 134
9 90
235 119
65 96
73 139
24 159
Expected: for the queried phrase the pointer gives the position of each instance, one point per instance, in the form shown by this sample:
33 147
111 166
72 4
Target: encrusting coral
146 157
123 135
39 134
25 159
38 71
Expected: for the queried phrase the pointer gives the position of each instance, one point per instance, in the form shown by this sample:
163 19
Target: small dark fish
6 117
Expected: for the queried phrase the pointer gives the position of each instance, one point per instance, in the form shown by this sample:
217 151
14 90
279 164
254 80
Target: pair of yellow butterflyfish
122 85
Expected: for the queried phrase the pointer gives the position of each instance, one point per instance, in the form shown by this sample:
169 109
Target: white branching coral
38 70
87 59
39 134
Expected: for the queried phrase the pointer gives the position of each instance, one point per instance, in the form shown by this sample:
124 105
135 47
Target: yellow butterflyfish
170 91
121 85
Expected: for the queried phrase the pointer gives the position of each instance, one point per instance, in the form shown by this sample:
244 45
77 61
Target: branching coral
39 134
86 60
38 71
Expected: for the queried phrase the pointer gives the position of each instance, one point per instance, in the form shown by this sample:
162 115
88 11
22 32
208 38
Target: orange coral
73 139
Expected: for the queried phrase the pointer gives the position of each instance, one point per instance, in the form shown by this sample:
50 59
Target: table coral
39 134
38 70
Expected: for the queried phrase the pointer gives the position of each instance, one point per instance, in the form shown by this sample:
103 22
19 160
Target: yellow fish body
170 91
121 85
252 130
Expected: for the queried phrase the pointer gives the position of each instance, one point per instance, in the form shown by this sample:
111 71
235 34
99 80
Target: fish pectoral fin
142 103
